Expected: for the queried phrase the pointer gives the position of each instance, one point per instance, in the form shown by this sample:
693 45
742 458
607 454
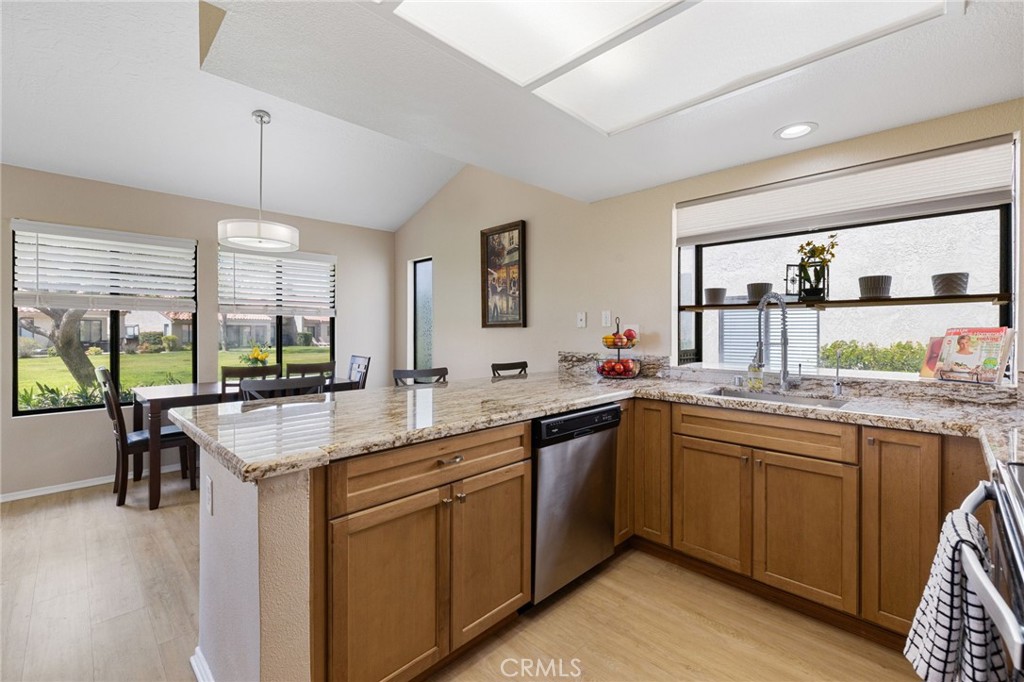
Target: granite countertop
265 438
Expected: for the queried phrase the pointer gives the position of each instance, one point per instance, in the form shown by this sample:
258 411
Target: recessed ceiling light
795 130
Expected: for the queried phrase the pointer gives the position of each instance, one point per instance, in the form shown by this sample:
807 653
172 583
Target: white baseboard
75 485
199 667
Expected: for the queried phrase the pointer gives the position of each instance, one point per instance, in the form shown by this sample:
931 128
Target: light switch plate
208 485
606 318
581 320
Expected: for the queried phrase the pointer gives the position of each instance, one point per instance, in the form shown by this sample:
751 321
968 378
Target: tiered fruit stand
618 367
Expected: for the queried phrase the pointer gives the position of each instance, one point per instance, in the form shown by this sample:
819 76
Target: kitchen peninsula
269 585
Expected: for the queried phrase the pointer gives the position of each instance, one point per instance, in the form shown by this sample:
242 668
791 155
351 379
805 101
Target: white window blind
958 178
276 284
737 338
61 266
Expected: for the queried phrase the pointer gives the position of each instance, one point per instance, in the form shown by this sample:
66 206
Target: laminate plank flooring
91 591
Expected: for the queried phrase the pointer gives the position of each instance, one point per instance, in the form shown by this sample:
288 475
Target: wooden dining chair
305 369
262 389
408 377
498 367
136 443
358 368
230 377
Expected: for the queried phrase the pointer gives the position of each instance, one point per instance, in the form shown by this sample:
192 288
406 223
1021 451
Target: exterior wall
615 254
37 451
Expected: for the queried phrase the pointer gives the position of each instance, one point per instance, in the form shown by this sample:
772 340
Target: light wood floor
95 592
91 591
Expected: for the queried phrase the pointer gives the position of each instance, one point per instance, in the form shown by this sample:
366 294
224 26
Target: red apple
627 364
629 334
619 368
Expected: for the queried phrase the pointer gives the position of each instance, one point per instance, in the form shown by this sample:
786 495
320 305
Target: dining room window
86 298
275 308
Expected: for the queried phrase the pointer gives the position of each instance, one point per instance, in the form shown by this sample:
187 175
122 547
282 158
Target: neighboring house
95 326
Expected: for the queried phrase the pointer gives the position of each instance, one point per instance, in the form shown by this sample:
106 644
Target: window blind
958 178
62 266
276 284
737 338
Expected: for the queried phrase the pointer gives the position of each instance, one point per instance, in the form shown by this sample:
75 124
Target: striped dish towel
952 638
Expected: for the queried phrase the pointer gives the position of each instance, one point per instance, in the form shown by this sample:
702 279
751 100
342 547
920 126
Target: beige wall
46 450
610 255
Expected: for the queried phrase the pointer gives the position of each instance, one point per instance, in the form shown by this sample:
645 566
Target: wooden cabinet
491 560
390 581
805 526
711 515
415 578
652 470
624 474
901 512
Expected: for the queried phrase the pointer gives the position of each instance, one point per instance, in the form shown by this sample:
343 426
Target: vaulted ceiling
377 105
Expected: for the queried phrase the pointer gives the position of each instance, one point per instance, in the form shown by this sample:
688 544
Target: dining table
154 400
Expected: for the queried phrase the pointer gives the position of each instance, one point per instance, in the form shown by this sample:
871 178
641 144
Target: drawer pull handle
454 460
446 500
461 497
744 459
871 440
759 462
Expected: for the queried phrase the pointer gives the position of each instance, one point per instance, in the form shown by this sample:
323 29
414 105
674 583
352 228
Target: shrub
148 348
170 343
51 351
186 346
26 347
901 356
305 338
94 350
43 396
152 339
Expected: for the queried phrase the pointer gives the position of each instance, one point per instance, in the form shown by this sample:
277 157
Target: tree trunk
66 337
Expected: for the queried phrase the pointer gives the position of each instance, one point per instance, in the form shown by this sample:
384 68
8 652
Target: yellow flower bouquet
259 355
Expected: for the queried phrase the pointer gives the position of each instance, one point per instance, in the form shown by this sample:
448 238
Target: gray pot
755 290
950 283
714 296
875 286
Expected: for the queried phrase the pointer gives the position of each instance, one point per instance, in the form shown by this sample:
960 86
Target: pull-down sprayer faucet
785 382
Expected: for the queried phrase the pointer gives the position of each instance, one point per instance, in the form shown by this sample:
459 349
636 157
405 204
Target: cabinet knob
454 460
758 462
871 440
446 500
461 497
744 459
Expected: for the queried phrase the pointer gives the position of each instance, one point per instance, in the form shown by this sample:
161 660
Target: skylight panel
717 47
524 41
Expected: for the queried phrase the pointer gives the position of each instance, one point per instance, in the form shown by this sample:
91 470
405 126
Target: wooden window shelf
1001 298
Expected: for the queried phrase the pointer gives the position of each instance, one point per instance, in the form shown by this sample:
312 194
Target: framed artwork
503 275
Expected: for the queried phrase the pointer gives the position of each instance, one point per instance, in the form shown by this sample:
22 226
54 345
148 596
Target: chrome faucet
837 385
785 382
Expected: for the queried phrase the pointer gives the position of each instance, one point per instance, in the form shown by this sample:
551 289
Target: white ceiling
372 115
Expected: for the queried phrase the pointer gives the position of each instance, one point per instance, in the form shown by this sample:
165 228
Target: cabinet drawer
363 482
793 435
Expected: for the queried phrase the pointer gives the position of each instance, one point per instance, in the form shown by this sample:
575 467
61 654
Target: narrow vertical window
423 313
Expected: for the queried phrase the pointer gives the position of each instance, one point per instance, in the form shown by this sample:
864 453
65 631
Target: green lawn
147 369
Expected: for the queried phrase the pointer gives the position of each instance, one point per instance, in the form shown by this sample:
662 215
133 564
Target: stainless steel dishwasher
574 495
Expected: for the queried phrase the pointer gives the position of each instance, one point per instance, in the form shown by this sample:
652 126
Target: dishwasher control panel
573 424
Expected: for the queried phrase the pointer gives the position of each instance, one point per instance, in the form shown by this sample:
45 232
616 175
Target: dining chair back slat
262 389
358 368
498 367
408 377
305 369
231 377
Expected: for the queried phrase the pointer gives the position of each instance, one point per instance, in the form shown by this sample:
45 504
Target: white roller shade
276 284
958 178
61 266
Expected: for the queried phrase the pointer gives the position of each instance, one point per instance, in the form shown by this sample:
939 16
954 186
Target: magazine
931 357
974 354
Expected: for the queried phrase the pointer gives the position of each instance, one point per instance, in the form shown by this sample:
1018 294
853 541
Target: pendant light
259 234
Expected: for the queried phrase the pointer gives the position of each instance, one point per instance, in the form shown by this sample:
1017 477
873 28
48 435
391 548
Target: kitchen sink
727 392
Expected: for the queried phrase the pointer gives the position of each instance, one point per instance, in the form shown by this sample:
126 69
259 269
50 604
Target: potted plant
813 268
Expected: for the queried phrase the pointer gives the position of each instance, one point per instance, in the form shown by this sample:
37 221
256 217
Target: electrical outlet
581 320
208 484
606 318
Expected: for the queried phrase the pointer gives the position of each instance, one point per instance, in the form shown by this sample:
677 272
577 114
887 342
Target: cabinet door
390 581
900 497
652 470
806 528
491 559
711 502
624 474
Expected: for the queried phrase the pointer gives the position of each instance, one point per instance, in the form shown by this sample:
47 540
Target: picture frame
503 275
